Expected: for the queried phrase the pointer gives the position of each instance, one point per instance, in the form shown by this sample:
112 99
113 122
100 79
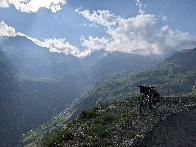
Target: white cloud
96 43
103 17
33 5
138 34
54 45
174 39
6 31
57 45
139 4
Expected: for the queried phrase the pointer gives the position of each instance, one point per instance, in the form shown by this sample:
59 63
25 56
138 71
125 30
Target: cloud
33 5
6 31
93 44
174 39
139 4
54 45
103 17
140 34
57 45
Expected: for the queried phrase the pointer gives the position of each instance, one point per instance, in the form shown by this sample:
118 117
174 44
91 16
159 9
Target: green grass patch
96 126
57 138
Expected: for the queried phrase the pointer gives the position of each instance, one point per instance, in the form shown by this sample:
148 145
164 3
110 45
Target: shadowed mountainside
28 103
170 78
36 101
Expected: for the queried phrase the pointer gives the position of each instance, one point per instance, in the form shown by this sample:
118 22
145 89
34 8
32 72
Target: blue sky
80 27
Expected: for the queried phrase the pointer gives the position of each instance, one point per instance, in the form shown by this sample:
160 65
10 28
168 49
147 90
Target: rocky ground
171 123
175 127
177 130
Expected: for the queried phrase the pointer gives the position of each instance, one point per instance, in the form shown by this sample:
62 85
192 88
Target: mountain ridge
183 58
39 62
42 92
171 79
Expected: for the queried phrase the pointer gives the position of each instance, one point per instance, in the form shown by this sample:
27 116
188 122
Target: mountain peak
183 58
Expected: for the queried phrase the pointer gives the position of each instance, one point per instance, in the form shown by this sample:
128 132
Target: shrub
88 114
108 118
57 138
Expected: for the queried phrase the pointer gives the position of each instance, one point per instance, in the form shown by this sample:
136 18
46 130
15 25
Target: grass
57 138
98 126
93 127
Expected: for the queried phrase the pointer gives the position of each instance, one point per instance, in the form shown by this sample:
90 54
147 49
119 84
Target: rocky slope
176 130
119 123
170 77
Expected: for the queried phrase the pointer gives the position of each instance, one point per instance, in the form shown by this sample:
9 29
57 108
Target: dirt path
178 130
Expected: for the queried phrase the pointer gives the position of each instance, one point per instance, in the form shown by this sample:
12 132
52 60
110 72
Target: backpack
157 96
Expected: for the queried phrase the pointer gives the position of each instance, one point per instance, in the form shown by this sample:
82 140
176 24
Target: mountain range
172 78
37 84
38 62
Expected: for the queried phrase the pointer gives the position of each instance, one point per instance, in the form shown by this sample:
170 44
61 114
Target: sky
80 27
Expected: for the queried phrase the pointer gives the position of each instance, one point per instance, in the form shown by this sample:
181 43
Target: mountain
35 101
173 77
93 58
16 107
6 81
6 61
112 65
38 62
7 84
184 58
176 75
117 62
6 76
27 103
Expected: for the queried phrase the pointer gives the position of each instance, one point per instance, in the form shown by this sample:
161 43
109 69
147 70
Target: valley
29 99
83 73
173 80
36 85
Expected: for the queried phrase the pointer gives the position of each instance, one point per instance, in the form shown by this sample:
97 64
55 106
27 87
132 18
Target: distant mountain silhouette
27 103
122 62
38 62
